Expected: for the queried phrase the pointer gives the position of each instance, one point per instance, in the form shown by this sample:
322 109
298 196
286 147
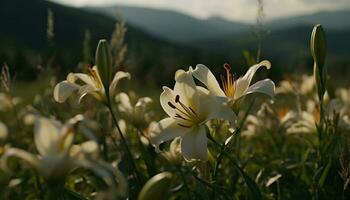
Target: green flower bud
318 45
318 50
156 187
104 63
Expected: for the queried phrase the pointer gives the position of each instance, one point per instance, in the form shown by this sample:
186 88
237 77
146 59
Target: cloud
241 10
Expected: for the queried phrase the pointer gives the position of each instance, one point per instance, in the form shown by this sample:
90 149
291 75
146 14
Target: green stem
218 162
188 193
105 148
211 186
38 185
125 145
151 169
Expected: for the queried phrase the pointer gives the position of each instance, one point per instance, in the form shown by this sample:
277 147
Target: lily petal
46 135
185 87
19 153
215 107
165 130
86 149
124 102
73 77
88 89
194 144
243 83
204 75
223 112
63 90
117 77
168 97
55 167
265 86
142 104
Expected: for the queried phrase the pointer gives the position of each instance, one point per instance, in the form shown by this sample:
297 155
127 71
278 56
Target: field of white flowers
218 136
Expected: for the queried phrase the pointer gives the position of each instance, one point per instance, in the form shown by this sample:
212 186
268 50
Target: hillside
23 40
23 43
183 28
173 25
288 48
334 20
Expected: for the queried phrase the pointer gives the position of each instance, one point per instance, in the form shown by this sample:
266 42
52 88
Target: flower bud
318 45
318 51
156 187
104 63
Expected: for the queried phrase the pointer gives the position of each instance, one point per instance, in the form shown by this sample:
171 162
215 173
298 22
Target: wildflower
189 107
173 155
137 113
301 122
57 154
7 102
305 85
96 83
267 120
235 89
92 85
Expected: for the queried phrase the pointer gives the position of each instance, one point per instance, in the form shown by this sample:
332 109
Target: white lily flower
91 84
3 131
189 107
173 155
137 113
57 154
235 89
268 120
301 122
304 85
7 102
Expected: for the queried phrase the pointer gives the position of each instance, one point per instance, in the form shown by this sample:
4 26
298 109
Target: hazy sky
239 10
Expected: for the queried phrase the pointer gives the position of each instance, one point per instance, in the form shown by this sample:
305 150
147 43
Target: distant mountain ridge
172 25
23 40
336 20
179 27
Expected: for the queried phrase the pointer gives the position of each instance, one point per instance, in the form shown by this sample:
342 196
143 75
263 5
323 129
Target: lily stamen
188 109
228 84
94 76
183 112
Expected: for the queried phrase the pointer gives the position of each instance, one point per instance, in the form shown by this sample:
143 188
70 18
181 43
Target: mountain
182 28
288 48
227 26
334 20
150 56
286 42
172 25
24 45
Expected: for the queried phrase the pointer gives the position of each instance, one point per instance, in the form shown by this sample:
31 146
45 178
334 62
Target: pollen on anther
227 67
177 98
171 105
